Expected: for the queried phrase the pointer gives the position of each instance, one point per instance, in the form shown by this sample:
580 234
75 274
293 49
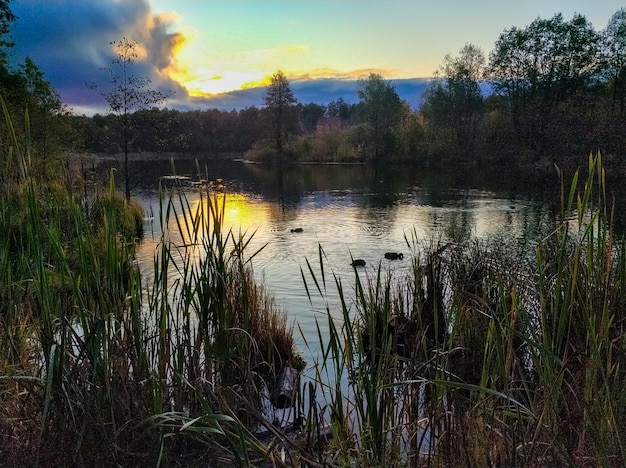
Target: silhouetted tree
47 114
251 127
613 41
380 109
539 67
454 102
25 90
310 114
280 101
341 110
7 18
127 94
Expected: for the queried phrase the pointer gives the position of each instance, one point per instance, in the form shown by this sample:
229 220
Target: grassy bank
98 368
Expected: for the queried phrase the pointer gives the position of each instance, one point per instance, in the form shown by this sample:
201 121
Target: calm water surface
350 212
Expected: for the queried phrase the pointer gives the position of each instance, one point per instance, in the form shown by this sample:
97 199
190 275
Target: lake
350 211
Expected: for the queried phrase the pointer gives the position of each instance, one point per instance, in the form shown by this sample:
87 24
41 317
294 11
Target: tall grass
483 355
480 355
98 369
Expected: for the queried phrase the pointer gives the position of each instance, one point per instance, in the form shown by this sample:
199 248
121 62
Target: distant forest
549 92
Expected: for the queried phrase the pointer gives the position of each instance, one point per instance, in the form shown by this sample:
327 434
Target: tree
454 101
310 115
6 19
45 109
251 127
380 109
280 101
7 77
26 91
127 94
613 44
341 109
538 68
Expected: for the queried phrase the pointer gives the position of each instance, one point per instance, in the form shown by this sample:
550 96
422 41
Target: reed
484 353
219 340
100 371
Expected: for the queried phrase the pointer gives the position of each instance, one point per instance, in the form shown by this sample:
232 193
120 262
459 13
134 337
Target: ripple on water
348 224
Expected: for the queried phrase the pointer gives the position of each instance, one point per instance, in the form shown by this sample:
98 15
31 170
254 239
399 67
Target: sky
221 53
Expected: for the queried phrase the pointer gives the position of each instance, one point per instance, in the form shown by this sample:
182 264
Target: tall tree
25 90
613 41
539 67
341 110
310 114
126 95
380 109
45 109
7 77
454 102
7 18
280 102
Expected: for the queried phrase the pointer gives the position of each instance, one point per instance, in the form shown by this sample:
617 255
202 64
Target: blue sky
203 48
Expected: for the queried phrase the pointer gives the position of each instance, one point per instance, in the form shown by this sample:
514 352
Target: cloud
320 91
70 41
323 73
163 44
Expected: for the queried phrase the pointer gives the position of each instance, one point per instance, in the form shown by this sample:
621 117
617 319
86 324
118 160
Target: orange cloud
240 72
322 73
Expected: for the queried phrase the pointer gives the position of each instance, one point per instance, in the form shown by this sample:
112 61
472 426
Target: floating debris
287 384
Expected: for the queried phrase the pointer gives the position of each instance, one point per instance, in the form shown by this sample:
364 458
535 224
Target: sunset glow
202 50
203 82
224 71
236 45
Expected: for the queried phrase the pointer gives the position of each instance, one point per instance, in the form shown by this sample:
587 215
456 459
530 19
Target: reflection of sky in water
346 227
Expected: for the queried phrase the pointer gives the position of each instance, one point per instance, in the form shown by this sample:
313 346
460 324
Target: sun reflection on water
345 224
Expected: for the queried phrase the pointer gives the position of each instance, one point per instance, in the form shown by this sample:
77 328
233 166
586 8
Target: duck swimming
394 256
358 262
297 230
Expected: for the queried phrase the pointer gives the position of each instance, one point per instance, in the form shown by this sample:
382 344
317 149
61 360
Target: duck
297 230
357 262
394 256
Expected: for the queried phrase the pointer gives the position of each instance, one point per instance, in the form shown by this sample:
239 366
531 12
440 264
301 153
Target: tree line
546 92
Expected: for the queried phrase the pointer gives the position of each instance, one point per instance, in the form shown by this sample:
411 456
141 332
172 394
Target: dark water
353 212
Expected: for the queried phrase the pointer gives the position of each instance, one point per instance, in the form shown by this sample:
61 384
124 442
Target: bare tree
126 95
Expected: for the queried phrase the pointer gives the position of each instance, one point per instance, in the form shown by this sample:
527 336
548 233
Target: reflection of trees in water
375 187
385 184
458 225
536 220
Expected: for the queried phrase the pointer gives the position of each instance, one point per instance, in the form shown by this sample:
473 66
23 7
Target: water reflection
352 212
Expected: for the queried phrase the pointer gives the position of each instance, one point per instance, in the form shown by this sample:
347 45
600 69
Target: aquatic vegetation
484 357
98 368
484 353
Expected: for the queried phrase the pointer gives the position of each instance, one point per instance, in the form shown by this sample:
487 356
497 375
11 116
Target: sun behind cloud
206 72
205 79
206 83
201 76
